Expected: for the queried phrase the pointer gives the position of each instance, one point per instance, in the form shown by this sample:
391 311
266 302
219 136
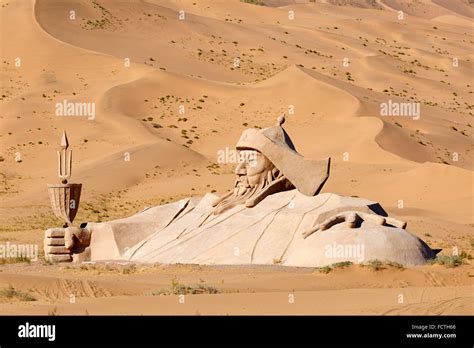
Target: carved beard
243 193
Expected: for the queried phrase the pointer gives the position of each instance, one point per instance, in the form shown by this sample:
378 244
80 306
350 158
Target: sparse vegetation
341 264
181 289
254 2
329 268
11 293
376 265
106 20
325 269
450 261
18 259
395 265
46 261
129 270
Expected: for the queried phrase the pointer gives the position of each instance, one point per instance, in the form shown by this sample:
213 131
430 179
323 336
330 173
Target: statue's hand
352 219
61 243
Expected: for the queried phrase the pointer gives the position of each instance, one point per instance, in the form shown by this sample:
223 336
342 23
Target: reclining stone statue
275 214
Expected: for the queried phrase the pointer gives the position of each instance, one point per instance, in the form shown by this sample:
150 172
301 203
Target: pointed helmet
308 176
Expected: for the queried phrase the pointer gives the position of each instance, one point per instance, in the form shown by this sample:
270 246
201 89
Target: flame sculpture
65 197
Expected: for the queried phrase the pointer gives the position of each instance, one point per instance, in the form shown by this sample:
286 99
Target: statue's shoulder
159 212
325 205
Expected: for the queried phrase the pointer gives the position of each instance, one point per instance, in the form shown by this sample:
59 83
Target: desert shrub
329 268
11 292
395 265
341 264
450 261
18 259
254 2
376 265
181 289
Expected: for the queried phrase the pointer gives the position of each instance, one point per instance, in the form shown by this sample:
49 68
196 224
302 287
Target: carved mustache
242 181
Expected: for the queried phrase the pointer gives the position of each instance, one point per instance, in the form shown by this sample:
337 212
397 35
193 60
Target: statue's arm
353 219
109 239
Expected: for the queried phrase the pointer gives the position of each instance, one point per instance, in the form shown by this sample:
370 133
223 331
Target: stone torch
64 198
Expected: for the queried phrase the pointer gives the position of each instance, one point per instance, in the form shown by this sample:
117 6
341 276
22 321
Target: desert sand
292 66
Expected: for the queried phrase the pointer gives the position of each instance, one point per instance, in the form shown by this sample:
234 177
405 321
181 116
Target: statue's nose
240 169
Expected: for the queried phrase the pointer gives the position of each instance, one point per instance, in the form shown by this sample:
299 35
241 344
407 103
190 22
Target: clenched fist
61 243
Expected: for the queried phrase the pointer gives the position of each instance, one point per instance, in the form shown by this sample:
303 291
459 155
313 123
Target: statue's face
251 171
255 174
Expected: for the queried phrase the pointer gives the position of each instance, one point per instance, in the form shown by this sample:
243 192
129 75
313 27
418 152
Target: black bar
225 330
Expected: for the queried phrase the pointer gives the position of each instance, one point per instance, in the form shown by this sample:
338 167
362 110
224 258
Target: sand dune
293 66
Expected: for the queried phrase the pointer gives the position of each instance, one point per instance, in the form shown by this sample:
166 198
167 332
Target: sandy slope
283 63
108 289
